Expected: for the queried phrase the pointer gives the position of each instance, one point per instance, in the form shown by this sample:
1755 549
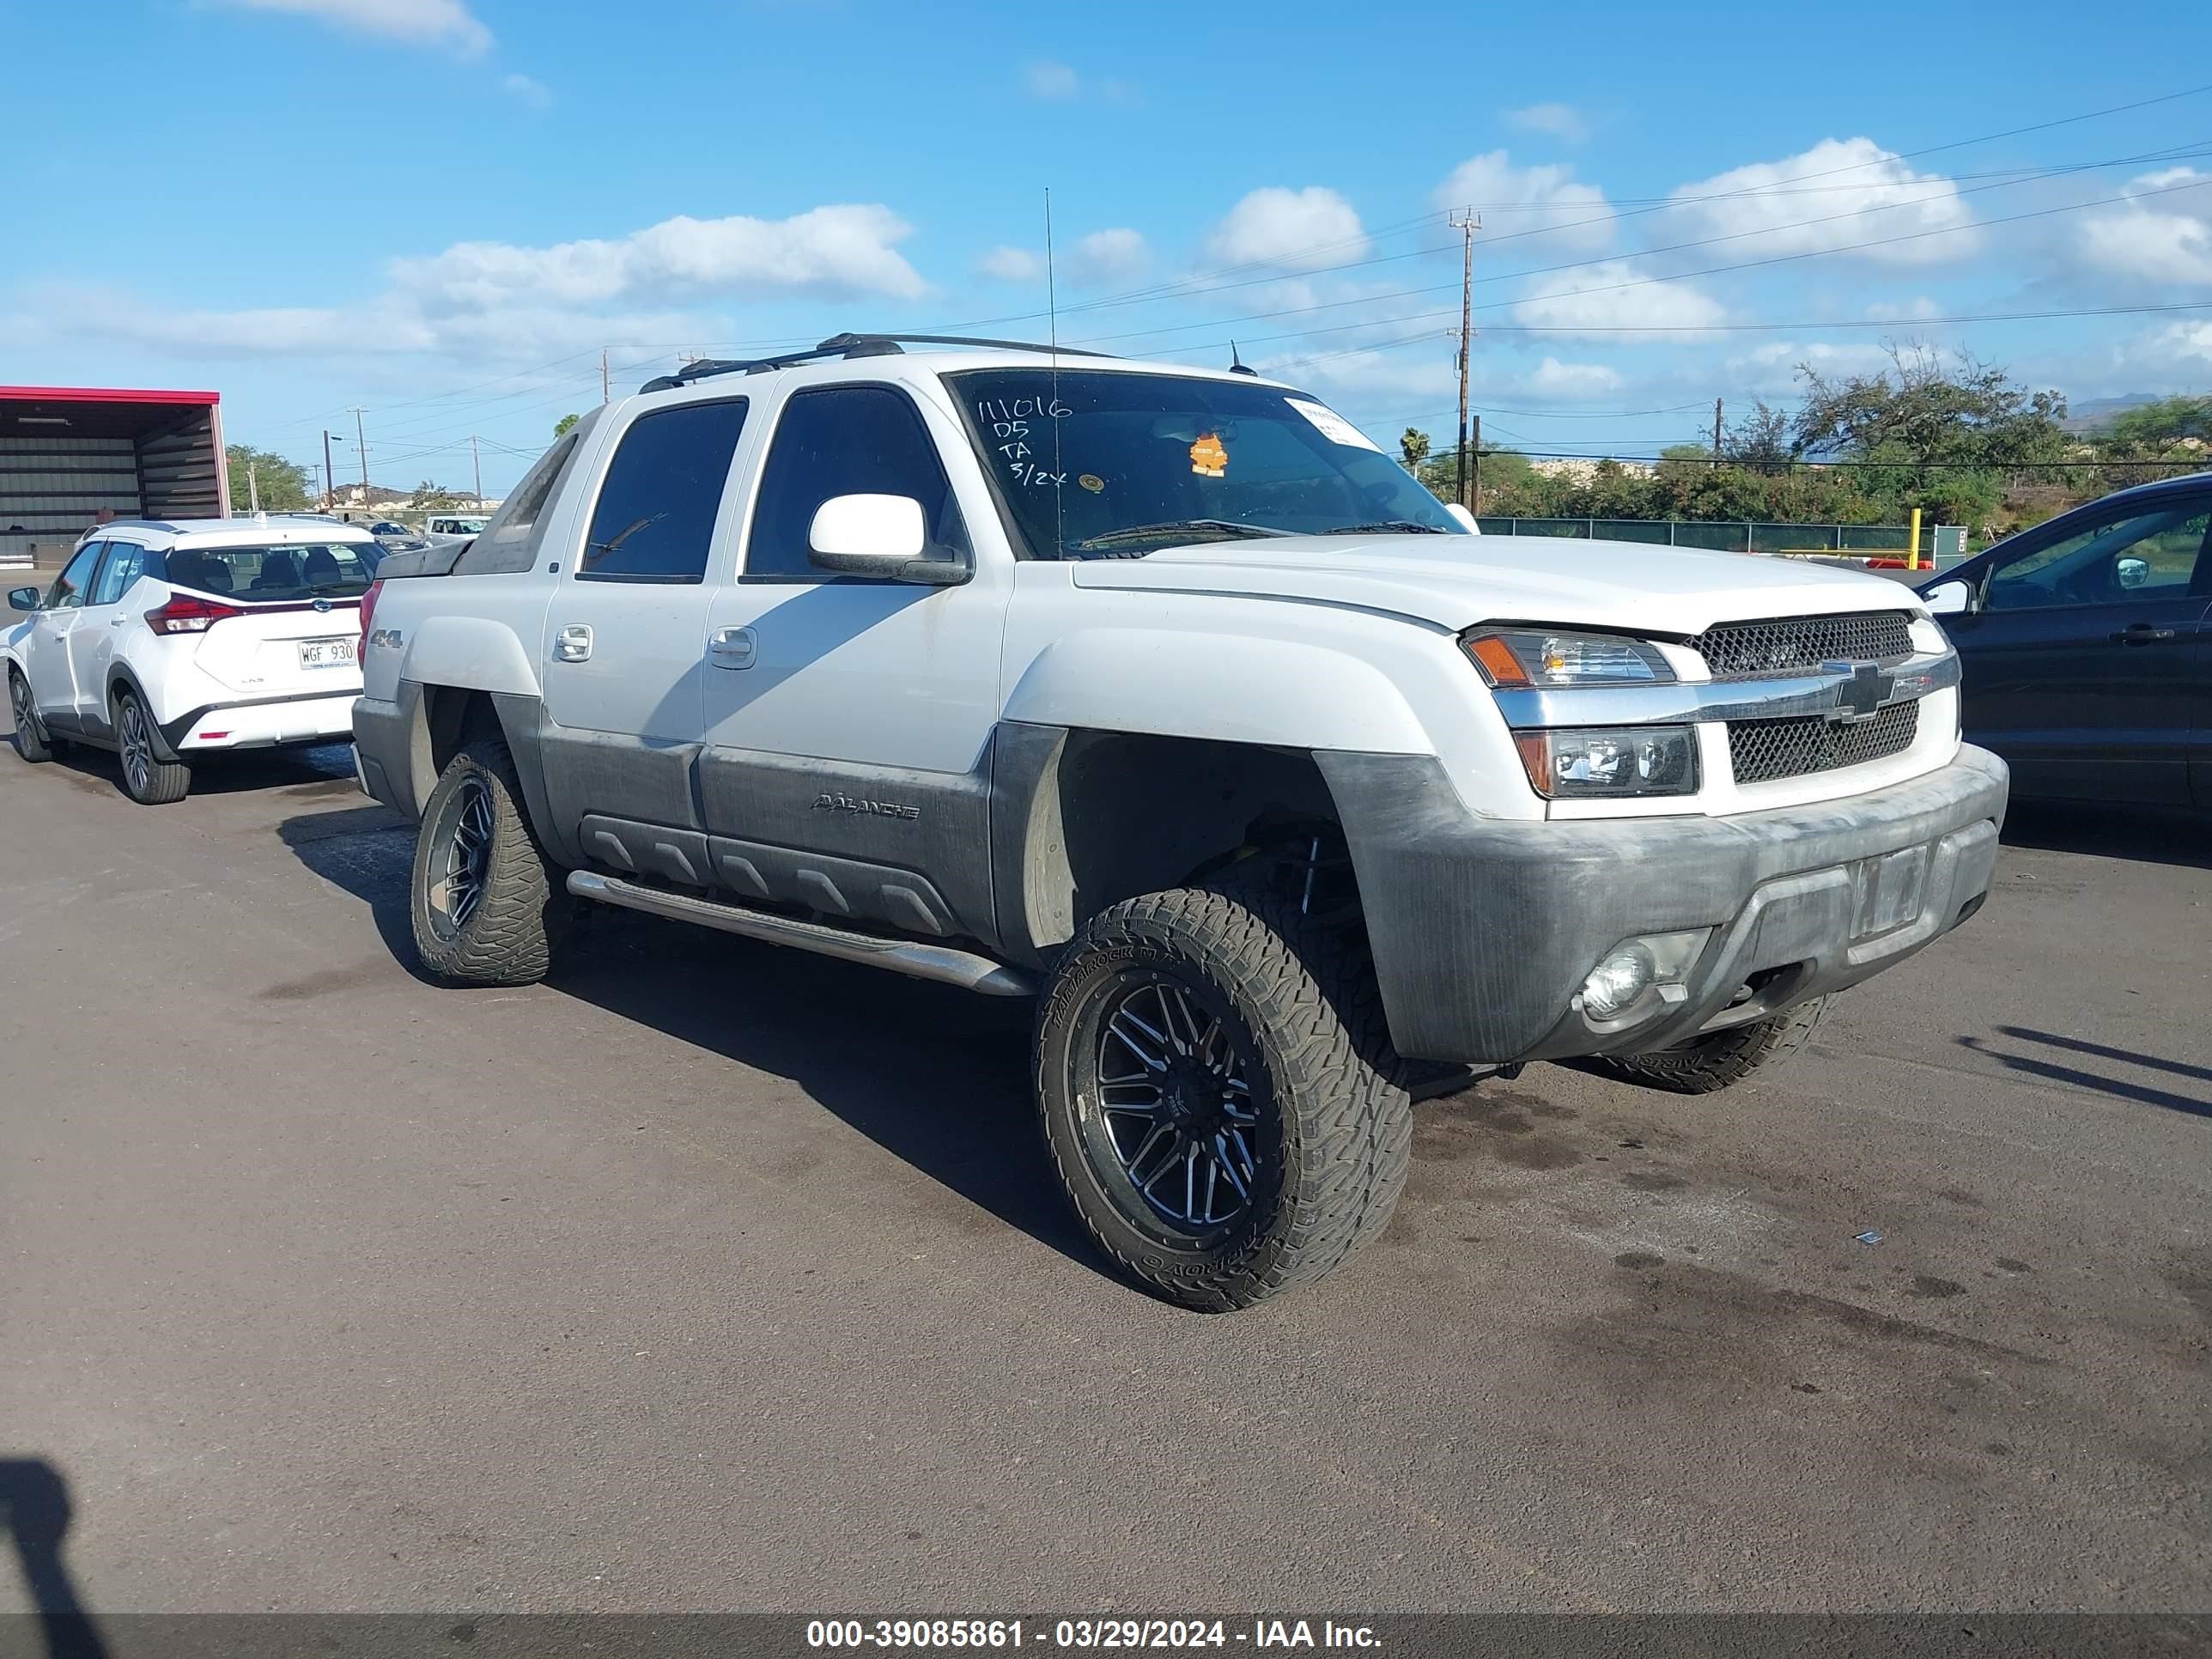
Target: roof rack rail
844 346
133 524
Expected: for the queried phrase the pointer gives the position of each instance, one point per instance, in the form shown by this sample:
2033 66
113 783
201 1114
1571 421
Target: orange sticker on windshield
1208 458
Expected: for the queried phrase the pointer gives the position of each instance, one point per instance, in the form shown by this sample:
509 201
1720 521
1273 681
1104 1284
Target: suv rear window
277 571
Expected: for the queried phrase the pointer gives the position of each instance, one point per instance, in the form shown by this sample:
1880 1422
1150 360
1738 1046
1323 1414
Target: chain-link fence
1724 535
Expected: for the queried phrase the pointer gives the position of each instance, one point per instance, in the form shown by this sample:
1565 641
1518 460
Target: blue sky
441 210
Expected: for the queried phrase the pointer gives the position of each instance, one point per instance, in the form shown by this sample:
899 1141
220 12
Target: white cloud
1561 121
536 93
1917 310
2177 355
1834 197
2164 237
1518 201
1618 299
1553 378
1294 230
1772 369
417 23
829 250
1054 82
1012 265
1106 256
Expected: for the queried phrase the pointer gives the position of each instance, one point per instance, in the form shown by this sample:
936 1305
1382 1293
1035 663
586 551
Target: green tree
281 485
433 497
1760 442
1970 414
1414 447
2154 426
562 425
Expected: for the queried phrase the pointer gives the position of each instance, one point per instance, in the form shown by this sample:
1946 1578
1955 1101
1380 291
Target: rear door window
654 519
124 562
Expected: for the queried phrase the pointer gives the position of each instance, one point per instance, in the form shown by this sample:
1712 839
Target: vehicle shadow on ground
2051 1072
2143 836
936 1076
221 775
35 1513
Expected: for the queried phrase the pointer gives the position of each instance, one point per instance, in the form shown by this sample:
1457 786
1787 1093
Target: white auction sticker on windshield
1333 426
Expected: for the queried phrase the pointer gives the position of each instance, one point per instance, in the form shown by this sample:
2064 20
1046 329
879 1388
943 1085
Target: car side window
123 566
68 589
845 440
2145 554
655 516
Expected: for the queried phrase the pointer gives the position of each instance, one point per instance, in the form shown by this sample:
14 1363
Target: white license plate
327 653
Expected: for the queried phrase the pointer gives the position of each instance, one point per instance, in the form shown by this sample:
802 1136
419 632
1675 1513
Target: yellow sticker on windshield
1093 482
1208 458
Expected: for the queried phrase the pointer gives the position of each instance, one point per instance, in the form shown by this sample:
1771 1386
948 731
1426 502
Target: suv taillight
187 613
367 615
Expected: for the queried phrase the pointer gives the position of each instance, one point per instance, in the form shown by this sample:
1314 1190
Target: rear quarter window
509 544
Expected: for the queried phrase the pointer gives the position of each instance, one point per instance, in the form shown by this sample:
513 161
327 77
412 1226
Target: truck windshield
1098 463
288 570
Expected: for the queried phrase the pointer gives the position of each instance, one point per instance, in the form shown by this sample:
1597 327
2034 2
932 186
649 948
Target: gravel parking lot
710 1277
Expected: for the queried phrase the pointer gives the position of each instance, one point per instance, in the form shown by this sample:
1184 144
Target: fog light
1635 966
1618 981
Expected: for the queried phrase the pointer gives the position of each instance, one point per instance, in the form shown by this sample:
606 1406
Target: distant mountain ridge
2096 415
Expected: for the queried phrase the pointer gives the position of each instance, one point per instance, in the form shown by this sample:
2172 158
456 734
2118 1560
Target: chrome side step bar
962 968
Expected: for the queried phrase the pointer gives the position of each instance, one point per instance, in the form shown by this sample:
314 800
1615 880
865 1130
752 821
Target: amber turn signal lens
1496 661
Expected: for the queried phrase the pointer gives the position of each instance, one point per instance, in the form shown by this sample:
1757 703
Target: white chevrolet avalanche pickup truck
1164 696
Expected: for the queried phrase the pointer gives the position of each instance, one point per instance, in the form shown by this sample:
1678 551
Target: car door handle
572 644
117 622
732 647
2141 634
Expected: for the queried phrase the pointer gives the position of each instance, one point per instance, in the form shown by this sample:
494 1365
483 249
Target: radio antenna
1052 323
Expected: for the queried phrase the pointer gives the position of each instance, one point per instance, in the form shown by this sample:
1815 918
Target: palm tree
1414 446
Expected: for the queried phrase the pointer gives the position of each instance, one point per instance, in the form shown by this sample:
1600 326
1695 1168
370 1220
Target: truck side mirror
1465 517
25 598
879 535
1949 599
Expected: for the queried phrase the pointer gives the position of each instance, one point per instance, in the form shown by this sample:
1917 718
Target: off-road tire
31 742
1706 1063
146 778
510 936
1335 1123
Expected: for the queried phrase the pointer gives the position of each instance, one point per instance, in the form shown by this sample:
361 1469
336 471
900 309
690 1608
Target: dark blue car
2086 649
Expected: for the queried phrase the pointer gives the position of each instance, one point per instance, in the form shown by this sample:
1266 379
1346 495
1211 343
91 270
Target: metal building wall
50 488
177 474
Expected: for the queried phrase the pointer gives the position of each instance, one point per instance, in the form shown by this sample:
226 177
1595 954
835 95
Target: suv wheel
1220 1094
151 780
1706 1063
31 742
487 907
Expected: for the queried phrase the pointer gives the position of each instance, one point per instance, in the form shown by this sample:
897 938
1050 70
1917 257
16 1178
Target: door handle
117 622
572 644
732 647
2141 634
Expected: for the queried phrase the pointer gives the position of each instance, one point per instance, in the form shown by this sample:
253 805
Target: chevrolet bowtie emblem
1862 693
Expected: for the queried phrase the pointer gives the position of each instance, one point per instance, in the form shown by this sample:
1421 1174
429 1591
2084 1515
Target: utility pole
330 490
360 442
1475 506
606 386
253 487
1717 432
477 462
1466 224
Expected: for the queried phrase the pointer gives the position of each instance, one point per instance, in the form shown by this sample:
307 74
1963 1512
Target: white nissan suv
165 641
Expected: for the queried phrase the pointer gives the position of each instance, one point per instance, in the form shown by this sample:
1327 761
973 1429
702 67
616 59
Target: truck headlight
1608 763
1543 657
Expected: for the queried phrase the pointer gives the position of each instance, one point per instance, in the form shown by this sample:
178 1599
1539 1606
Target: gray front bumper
1483 930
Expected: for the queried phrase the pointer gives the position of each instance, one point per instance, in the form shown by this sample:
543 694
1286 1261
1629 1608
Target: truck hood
1455 582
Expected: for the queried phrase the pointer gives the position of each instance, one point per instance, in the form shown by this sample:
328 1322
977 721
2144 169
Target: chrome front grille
1763 751
1741 650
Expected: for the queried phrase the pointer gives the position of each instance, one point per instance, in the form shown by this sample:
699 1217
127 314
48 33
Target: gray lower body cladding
1484 930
